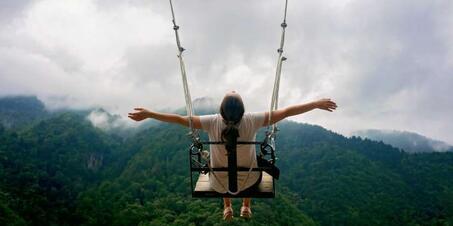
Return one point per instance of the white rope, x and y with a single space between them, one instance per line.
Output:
206 157
243 182
275 91
188 99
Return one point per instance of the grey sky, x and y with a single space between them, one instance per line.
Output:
388 64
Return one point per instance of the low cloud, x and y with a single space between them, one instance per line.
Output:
388 64
106 121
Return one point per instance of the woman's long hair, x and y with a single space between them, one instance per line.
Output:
232 110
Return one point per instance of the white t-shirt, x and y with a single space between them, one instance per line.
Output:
246 154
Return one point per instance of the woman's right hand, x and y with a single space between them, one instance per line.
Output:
326 104
139 115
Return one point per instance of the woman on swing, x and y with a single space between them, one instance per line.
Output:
232 121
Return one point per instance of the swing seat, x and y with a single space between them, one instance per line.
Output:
264 190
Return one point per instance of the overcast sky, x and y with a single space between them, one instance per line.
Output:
387 63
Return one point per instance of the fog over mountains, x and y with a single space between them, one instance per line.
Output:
408 141
18 111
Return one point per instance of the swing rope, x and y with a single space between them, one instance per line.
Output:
272 130
189 108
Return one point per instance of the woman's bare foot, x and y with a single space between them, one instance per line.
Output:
246 212
228 213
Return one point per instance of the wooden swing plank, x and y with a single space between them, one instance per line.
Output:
264 190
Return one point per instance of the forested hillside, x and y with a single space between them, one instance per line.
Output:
20 111
61 170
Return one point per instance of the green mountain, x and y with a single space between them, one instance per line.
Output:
19 111
408 141
44 168
62 170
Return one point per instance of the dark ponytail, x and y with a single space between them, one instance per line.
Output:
232 110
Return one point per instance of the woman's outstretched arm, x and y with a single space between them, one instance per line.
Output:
280 114
142 113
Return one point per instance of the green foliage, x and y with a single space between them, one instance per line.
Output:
63 171
7 215
45 167
21 111
362 182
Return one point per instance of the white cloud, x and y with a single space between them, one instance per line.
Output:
388 64
105 121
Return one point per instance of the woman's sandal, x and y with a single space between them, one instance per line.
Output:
228 213
246 212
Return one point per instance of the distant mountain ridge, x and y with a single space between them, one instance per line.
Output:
408 141
18 111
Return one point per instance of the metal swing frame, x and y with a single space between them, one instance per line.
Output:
200 166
